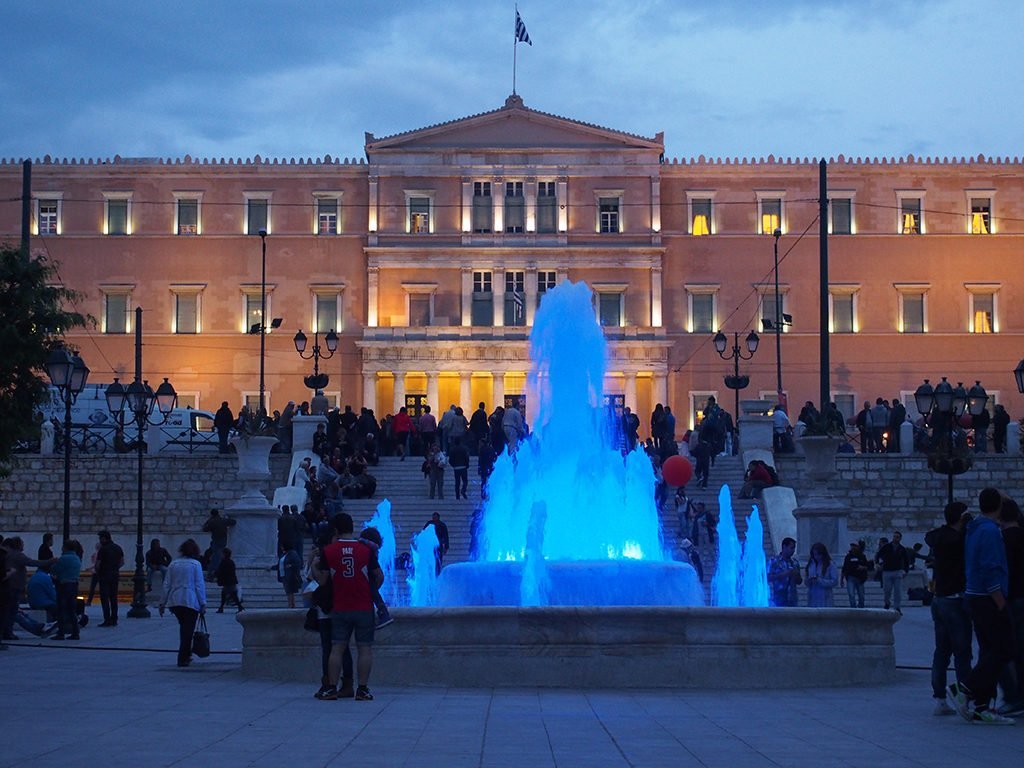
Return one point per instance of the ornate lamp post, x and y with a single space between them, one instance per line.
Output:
139 399
263 325
317 380
942 407
736 382
69 375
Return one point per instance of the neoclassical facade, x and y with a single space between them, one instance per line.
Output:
430 255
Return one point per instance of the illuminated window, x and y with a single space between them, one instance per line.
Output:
700 216
48 216
483 299
419 214
117 214
515 207
608 211
257 215
515 297
253 310
188 216
483 210
327 214
841 216
910 216
770 212
252 316
610 309
981 215
982 307
547 206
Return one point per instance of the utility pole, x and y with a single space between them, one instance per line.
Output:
823 334
26 205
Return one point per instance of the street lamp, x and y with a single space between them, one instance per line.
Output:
778 319
317 380
736 382
68 374
138 400
942 407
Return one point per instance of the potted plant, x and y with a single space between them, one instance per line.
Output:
820 441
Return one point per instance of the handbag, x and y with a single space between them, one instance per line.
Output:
201 639
312 622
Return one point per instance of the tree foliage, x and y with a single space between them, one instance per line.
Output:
33 320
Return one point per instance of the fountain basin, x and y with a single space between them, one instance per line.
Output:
573 582
597 647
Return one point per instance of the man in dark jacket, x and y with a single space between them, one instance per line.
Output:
987 585
217 527
441 530
981 423
1000 421
458 460
223 421
893 558
109 559
478 427
949 609
897 415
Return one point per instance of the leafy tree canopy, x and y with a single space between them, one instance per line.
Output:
33 320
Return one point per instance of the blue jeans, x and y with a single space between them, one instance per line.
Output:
892 586
855 591
952 622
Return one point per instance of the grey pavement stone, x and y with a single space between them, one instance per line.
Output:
151 713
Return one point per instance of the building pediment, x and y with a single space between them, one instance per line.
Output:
513 127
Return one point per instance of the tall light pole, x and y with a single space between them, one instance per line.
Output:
140 400
778 318
263 324
68 374
736 382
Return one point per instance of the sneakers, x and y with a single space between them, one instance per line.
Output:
363 694
49 629
942 708
990 717
383 619
322 691
328 693
959 698
1012 709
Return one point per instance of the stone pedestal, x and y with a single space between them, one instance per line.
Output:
253 539
303 429
821 517
906 439
755 433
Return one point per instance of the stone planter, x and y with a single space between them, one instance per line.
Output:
820 452
254 537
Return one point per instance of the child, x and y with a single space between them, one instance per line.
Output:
372 536
227 579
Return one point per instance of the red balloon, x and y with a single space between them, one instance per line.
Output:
677 471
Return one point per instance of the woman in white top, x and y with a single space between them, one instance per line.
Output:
185 595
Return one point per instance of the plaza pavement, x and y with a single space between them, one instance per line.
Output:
118 699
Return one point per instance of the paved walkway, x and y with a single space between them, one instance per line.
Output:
118 699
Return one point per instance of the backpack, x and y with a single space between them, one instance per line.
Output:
281 569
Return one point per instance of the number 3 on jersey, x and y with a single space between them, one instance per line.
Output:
348 567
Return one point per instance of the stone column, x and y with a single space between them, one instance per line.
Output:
399 390
372 293
530 192
467 206
660 392
499 389
467 297
498 292
656 320
433 399
531 294
655 206
630 391
465 393
371 219
562 190
498 205
370 391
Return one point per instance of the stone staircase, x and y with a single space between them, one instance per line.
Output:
403 484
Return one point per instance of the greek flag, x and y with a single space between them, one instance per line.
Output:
519 302
522 35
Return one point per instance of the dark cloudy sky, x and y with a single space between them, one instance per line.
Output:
736 77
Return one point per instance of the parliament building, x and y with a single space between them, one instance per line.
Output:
430 254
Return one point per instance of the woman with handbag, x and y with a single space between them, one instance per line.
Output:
185 595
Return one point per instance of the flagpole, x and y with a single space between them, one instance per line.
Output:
515 43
